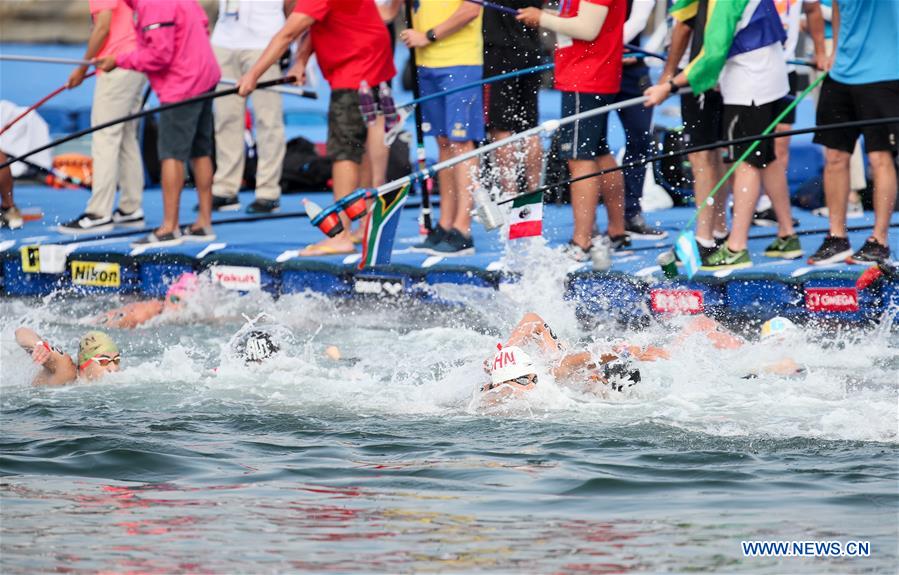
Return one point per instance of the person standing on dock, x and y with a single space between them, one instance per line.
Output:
512 105
589 50
241 33
863 85
115 152
742 54
447 36
637 123
352 46
173 50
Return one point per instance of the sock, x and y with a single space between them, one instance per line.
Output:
705 243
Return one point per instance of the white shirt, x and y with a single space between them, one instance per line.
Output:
639 17
755 77
247 24
27 134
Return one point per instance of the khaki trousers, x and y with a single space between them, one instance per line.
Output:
268 119
117 159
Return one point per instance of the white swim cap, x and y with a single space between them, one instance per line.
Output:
510 363
776 326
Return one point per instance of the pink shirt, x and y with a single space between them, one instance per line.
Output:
173 49
121 37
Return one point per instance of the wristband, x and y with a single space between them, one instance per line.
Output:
674 87
431 35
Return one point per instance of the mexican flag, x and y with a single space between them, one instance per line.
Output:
527 216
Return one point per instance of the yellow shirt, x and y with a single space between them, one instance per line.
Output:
464 48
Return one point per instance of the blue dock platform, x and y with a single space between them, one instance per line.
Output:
260 252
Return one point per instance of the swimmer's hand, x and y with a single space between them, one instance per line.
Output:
41 353
333 352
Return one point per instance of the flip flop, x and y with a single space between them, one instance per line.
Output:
320 250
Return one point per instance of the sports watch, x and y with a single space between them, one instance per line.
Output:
431 35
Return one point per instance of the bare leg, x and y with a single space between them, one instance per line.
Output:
747 180
612 189
465 179
506 163
447 181
203 173
884 193
533 158
836 189
6 184
377 153
584 199
172 184
774 178
705 176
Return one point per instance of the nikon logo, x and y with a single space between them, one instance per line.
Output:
101 274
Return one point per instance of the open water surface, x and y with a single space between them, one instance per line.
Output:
188 461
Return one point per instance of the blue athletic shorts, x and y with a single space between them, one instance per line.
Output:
459 116
584 139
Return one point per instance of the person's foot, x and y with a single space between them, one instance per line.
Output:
767 218
871 253
575 252
725 259
155 239
86 223
434 237
11 217
455 243
197 234
619 243
330 247
264 207
638 229
833 250
133 219
220 204
787 248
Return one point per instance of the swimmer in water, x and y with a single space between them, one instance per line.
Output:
133 314
97 356
513 372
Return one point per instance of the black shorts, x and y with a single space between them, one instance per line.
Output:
585 139
509 105
743 121
853 102
790 118
702 117
186 132
347 131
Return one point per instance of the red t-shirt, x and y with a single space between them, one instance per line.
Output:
592 67
350 41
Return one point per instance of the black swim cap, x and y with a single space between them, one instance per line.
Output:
256 346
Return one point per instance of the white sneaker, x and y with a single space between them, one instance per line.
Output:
86 223
134 219
11 218
853 211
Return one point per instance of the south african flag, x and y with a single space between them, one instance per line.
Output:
380 227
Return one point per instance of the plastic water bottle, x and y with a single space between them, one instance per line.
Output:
388 106
367 104
487 211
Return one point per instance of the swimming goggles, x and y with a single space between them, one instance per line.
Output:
523 381
103 360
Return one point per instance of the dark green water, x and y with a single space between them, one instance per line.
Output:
389 465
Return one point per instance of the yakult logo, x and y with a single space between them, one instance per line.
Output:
831 299
237 277
503 359
676 301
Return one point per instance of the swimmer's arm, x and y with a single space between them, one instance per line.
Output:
648 353
532 327
131 315
58 367
787 366
574 362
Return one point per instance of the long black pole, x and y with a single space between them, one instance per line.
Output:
423 189
142 113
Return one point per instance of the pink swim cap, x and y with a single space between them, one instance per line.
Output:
182 288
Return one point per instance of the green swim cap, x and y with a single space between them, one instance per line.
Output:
95 343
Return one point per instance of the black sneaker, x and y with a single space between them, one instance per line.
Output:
833 250
767 219
871 253
264 207
435 236
638 229
192 234
155 240
86 223
134 219
453 244
220 204
619 243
